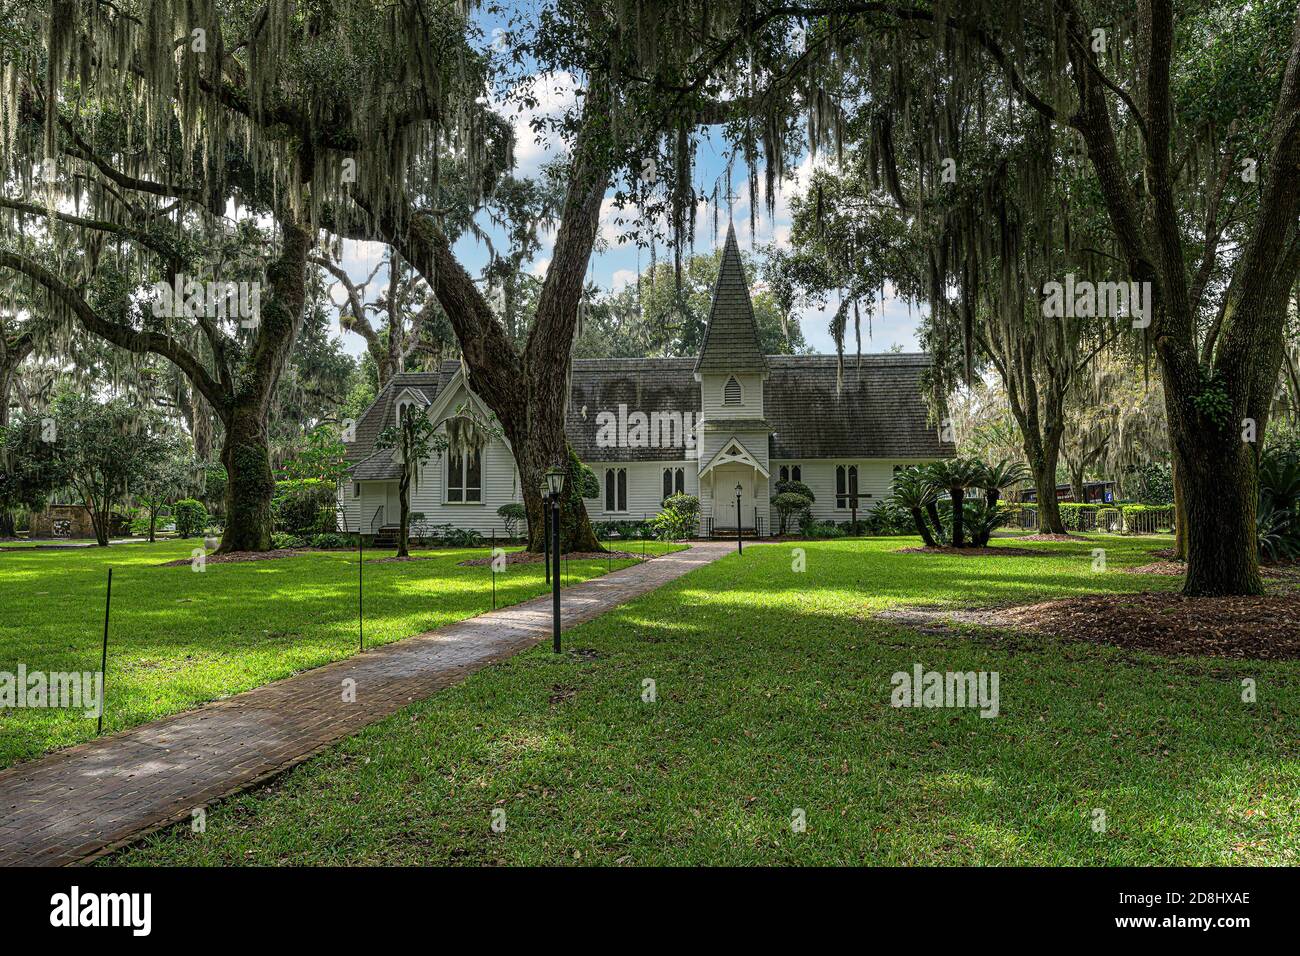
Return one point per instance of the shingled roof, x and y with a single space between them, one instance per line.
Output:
731 337
878 413
380 414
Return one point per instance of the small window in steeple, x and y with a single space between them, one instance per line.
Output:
731 394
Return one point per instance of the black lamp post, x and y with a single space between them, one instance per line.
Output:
740 544
546 526
555 481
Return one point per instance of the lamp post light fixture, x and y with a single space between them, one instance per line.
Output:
740 544
555 482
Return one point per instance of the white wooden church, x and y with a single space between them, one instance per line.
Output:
730 422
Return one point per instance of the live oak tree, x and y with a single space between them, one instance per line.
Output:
1187 120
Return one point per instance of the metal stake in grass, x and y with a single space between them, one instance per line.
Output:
103 659
361 619
492 563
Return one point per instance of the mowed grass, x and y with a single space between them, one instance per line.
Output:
772 702
179 638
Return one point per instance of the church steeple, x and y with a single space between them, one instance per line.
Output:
731 337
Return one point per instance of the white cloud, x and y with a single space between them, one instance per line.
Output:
623 278
552 93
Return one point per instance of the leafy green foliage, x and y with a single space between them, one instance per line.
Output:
191 517
796 488
514 516
1277 518
305 506
323 458
790 505
103 449
980 519
679 519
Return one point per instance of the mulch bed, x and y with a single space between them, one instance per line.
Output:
1288 571
1160 622
236 556
1052 537
978 552
529 557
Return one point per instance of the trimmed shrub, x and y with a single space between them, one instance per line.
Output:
514 516
191 517
287 542
333 539
795 488
790 504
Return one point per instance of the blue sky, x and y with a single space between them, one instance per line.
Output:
615 264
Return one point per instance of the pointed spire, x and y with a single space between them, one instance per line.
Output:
731 337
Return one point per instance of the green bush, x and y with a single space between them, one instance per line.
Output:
305 506
191 517
887 519
823 529
1078 516
791 504
333 539
454 537
623 529
287 542
514 516
679 519
795 488
979 519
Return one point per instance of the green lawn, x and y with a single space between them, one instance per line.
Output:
179 638
773 690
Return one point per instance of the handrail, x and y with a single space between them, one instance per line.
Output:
378 511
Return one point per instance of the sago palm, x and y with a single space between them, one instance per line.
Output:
915 492
956 475
1002 475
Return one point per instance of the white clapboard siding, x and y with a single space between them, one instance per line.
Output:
645 488
711 391
500 486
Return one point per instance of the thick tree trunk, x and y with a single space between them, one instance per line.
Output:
958 518
932 509
1217 474
404 505
250 487
246 452
1180 515
1042 458
527 391
1076 485
11 356
576 533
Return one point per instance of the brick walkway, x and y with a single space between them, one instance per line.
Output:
84 801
